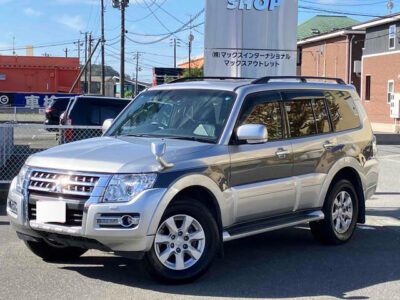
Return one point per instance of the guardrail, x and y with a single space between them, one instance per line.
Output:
19 141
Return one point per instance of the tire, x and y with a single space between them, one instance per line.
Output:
54 253
337 228
175 258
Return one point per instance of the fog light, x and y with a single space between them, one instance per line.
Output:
129 221
118 220
12 206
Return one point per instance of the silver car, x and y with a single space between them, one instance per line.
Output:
190 165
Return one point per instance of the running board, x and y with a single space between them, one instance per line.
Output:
265 225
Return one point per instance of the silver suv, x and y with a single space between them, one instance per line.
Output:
192 164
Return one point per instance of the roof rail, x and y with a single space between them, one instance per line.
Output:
303 79
185 79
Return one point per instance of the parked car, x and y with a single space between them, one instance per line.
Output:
89 111
188 166
54 111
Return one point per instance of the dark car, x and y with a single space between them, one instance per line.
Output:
89 111
54 111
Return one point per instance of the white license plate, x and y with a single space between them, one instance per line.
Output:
51 211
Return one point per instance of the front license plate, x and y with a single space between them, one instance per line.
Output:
51 211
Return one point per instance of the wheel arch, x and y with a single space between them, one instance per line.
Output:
353 175
200 188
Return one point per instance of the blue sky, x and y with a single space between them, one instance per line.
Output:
40 22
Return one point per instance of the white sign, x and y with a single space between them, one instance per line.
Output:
250 38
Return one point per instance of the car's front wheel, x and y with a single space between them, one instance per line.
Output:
54 252
341 212
185 244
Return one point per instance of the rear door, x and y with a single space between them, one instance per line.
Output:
313 143
261 174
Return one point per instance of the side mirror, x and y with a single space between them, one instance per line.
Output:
107 124
253 133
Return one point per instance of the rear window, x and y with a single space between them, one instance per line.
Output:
61 103
343 111
93 112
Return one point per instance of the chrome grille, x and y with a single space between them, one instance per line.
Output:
60 183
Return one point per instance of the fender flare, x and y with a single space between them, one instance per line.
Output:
224 200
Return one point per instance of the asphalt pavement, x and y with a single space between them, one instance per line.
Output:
284 264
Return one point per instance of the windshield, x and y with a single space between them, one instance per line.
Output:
182 114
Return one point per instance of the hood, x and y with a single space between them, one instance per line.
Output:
113 155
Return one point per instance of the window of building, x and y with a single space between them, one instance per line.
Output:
392 37
368 87
390 90
343 111
264 109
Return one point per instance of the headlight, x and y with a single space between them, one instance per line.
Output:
21 179
122 188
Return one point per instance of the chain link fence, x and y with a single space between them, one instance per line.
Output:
22 115
18 141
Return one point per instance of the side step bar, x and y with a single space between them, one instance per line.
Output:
265 225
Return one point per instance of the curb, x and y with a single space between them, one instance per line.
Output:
387 139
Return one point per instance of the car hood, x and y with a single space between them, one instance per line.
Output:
113 155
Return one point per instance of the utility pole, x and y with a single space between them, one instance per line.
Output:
137 74
122 4
90 65
86 56
66 52
103 67
191 38
174 45
14 53
79 44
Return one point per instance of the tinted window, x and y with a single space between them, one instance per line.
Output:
343 111
301 117
94 112
61 104
321 115
264 109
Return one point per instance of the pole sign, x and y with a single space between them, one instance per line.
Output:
250 38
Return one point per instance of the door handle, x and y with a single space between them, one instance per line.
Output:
329 145
282 153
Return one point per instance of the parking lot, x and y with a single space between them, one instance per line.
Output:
280 265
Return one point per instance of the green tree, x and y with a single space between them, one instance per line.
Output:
194 72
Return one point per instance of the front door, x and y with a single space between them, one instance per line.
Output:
261 174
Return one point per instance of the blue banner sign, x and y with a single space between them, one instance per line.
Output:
29 100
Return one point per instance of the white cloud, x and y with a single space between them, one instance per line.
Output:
73 22
29 11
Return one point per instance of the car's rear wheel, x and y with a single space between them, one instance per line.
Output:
54 252
341 212
185 244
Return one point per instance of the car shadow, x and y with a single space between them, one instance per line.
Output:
281 264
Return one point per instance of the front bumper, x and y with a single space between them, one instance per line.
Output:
122 240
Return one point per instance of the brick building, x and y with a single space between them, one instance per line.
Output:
380 69
333 54
38 74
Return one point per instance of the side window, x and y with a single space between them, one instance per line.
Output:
343 111
321 115
307 113
263 109
301 118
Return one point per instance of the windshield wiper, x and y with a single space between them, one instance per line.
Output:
191 138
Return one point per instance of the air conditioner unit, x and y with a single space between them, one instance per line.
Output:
395 106
357 67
